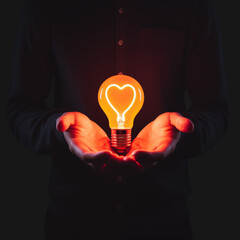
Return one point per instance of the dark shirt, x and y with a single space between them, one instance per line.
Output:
169 47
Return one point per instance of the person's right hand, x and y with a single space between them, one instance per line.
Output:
87 141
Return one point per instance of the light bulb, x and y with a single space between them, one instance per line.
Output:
121 97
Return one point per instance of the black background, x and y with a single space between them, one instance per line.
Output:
24 174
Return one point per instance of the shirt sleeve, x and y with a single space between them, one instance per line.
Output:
30 119
205 83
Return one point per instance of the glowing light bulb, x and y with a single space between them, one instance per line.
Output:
121 97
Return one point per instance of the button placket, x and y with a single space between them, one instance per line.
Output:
120 36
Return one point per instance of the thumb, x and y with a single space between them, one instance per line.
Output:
65 121
181 123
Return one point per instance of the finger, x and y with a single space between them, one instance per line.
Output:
109 153
65 121
96 161
98 158
141 154
137 144
132 149
117 158
106 161
147 158
181 123
129 158
129 161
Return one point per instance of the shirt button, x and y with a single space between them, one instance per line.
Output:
120 10
119 178
120 42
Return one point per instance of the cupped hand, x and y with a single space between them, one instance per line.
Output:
159 138
87 140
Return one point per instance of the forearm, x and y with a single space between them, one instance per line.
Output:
31 121
35 125
205 83
209 127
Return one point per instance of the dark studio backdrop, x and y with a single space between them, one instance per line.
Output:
214 176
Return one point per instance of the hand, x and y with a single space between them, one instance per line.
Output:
159 138
87 140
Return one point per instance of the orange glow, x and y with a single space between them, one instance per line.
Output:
121 97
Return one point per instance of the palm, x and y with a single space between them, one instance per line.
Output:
88 136
86 140
159 135
159 138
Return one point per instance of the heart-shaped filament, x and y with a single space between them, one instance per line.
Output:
121 116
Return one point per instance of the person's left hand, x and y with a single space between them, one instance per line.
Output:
159 138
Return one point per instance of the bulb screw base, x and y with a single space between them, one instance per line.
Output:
121 140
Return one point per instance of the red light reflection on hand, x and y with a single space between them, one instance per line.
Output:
159 139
